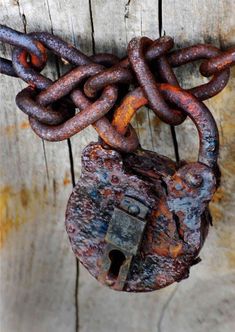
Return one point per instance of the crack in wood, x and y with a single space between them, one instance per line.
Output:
173 132
22 15
175 144
165 307
76 291
71 160
49 14
160 17
127 6
92 27
72 174
45 159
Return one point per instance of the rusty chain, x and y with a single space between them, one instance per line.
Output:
107 90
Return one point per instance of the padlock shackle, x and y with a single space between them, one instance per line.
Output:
195 109
202 118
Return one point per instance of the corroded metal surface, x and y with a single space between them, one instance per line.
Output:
176 224
102 81
148 83
196 110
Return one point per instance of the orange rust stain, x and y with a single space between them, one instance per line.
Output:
5 228
34 59
229 166
7 222
24 125
162 251
14 209
106 192
219 195
23 59
228 130
9 130
222 200
216 209
126 111
155 121
176 250
141 116
216 213
66 179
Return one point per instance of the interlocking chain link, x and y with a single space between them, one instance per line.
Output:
107 90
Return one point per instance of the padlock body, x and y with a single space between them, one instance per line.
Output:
134 221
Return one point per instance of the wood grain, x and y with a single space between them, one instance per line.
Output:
37 265
38 270
209 292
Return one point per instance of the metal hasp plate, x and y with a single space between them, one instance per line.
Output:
123 239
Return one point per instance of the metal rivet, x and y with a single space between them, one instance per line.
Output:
194 180
178 186
134 210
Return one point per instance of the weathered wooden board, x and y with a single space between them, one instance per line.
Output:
38 270
209 293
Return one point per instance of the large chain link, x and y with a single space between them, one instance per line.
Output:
99 85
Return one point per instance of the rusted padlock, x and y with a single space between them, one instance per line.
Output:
138 221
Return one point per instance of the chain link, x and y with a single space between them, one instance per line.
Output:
97 84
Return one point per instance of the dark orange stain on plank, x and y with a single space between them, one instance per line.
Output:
16 208
67 179
10 129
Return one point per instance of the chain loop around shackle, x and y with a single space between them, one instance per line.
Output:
97 84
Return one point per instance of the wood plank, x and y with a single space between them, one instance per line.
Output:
209 290
37 265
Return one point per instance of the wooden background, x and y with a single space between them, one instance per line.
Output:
39 290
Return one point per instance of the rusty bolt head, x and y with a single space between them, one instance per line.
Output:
193 180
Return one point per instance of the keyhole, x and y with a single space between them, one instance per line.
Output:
117 259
